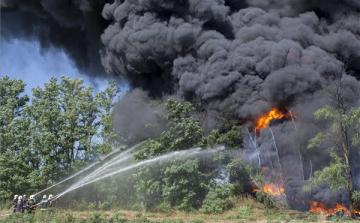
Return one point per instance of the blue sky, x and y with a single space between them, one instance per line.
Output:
25 60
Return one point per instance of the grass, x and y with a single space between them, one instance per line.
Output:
245 209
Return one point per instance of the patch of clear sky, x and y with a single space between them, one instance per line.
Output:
22 59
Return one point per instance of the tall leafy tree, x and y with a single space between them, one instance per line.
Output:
64 121
106 100
13 134
343 94
46 123
43 141
12 103
179 182
78 121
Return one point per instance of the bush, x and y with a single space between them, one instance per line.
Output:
216 200
244 212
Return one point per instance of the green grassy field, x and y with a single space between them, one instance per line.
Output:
245 209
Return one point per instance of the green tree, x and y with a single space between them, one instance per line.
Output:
184 132
13 134
180 182
185 183
343 94
232 138
12 104
106 100
64 122
78 120
56 134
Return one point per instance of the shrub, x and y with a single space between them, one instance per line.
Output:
216 201
244 212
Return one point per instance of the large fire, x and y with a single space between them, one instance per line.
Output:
318 207
264 120
315 206
277 190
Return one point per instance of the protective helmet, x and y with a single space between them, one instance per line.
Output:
24 196
20 197
32 196
44 196
50 196
15 197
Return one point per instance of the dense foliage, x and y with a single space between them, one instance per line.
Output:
64 127
191 182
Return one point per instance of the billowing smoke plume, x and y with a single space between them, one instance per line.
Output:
248 59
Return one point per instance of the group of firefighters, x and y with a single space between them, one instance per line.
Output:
22 204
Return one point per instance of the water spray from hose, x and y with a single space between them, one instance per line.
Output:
194 151
109 163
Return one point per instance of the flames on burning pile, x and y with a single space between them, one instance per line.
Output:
315 206
357 211
276 189
319 207
274 114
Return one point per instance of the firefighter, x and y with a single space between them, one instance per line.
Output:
43 204
51 202
19 205
31 204
25 203
15 203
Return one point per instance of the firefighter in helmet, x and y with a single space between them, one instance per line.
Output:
25 203
51 202
15 203
43 204
31 204
19 205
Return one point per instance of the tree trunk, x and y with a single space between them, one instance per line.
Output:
350 188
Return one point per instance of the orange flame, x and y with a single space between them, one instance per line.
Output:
274 113
357 211
272 189
318 207
315 206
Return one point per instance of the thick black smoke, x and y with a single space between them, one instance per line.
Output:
245 56
301 200
248 59
72 26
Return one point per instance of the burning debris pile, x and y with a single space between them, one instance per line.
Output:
252 57
318 200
